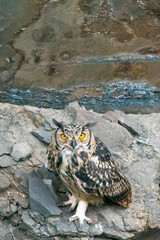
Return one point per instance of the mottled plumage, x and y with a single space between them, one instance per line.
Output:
84 164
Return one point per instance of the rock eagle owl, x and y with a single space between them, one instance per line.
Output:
85 166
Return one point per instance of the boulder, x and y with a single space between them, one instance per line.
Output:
21 151
41 198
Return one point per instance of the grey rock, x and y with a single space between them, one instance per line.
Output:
4 230
41 199
49 184
6 161
42 135
37 217
21 151
63 226
15 219
4 123
5 148
23 186
6 208
46 174
27 220
4 182
52 180
21 173
48 127
126 120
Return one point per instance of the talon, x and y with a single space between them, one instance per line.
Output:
80 213
70 209
74 217
80 218
72 201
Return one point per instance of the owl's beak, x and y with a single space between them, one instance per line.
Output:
73 143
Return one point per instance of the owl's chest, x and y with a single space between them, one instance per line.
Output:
64 164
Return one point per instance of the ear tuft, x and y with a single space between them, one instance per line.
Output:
89 125
58 124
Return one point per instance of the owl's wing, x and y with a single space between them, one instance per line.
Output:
101 177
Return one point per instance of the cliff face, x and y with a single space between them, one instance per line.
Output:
26 212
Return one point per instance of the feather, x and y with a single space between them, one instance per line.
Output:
105 182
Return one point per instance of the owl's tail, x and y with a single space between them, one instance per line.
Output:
125 198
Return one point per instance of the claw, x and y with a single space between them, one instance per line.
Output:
72 201
81 219
80 213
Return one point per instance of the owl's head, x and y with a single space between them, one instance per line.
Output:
73 136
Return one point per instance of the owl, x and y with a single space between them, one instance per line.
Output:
85 166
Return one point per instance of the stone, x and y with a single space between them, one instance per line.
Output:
7 209
5 148
125 120
21 151
4 207
41 199
6 161
52 180
4 124
28 221
37 217
15 219
23 186
4 230
21 173
4 182
46 174
42 135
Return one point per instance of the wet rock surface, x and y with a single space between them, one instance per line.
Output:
123 95
21 215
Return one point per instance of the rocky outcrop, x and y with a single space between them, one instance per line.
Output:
26 210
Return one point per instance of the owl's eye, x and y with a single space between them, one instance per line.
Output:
82 136
63 136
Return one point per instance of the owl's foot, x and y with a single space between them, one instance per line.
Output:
72 201
80 213
80 218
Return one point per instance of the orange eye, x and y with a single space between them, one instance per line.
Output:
82 136
63 136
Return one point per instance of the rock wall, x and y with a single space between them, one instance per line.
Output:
31 212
